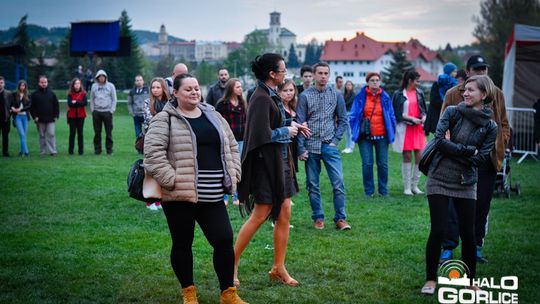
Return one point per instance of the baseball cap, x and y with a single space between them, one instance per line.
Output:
476 61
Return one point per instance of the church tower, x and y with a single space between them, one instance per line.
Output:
163 36
275 29
163 41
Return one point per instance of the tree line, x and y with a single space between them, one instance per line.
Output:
494 24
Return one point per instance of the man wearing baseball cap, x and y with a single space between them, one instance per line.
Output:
487 174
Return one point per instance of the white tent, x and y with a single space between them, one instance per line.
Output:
521 85
521 77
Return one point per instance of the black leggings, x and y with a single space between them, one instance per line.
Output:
438 212
76 127
214 222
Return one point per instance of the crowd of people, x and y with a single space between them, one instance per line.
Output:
201 151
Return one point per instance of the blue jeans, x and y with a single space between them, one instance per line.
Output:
381 153
332 162
21 122
349 143
138 122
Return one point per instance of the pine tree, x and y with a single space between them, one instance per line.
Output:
164 66
292 61
132 65
391 76
65 65
22 38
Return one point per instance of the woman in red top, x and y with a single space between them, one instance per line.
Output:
76 113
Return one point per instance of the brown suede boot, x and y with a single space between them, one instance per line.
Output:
189 294
229 296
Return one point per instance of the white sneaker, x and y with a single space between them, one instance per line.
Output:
152 207
347 151
416 190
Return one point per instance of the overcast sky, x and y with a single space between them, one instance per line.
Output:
434 23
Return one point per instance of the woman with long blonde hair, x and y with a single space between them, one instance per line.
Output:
159 96
20 107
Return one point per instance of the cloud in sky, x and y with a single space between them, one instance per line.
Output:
433 22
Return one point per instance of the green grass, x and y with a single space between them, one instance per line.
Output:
70 234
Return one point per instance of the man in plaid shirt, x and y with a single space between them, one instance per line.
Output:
323 108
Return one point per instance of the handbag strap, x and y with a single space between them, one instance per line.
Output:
374 106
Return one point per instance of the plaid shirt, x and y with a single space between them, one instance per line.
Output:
235 116
326 116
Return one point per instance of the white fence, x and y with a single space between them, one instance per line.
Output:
522 122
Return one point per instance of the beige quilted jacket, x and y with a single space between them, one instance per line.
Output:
170 153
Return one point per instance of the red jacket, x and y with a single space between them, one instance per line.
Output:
77 109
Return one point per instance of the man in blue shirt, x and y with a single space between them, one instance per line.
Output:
323 108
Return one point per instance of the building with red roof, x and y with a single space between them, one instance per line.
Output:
355 58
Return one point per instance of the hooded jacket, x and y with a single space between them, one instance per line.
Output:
170 153
103 95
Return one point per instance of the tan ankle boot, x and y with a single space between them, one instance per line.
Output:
189 294
229 296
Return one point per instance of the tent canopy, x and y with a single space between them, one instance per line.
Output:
521 74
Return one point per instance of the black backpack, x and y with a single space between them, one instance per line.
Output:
135 180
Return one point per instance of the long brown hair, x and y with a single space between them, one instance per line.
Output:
25 92
72 86
229 92
164 95
293 102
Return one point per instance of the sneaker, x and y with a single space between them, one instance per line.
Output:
319 224
342 225
446 254
158 205
347 151
152 207
479 258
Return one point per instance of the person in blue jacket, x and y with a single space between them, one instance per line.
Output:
375 105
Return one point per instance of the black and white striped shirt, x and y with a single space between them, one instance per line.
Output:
210 186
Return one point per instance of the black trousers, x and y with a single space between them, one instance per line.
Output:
438 212
487 175
5 126
76 127
102 119
216 226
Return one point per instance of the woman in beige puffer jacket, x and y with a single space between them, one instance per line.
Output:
191 152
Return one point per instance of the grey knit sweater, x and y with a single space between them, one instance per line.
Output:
446 178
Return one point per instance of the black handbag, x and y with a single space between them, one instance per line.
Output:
135 180
428 154
365 126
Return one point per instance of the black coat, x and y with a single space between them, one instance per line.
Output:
398 99
214 94
434 110
44 106
6 106
482 138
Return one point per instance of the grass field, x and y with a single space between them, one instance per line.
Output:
70 234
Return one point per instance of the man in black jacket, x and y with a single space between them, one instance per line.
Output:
5 103
45 111
217 91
